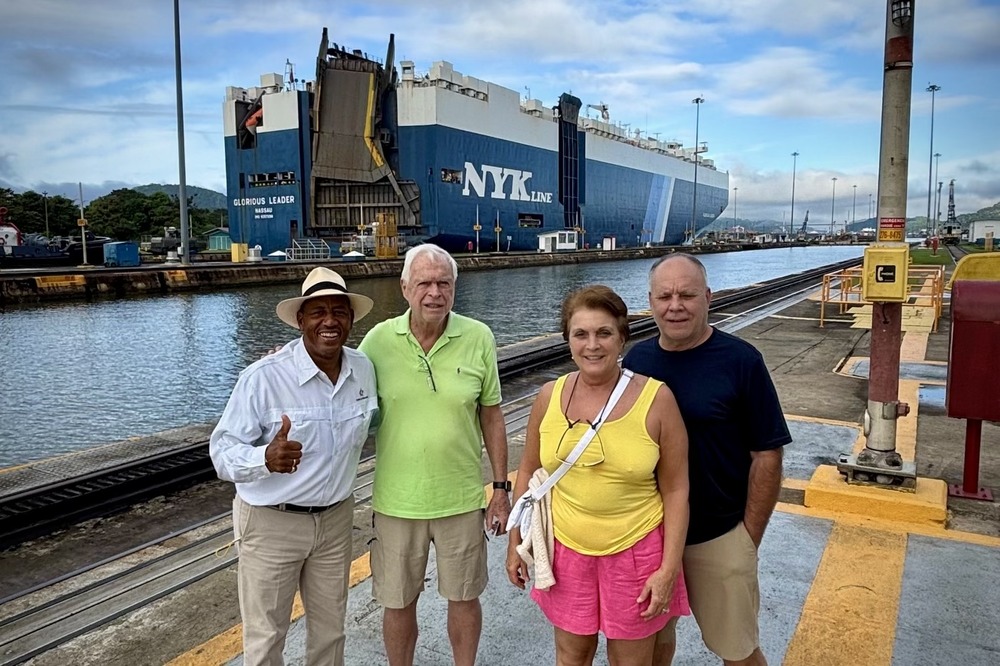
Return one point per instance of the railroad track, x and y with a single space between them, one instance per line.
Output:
956 252
36 629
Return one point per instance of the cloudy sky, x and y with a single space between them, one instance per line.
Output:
89 93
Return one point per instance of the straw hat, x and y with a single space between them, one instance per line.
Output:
322 282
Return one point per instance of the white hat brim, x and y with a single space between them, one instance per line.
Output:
288 309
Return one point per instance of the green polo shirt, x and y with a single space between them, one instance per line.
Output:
429 442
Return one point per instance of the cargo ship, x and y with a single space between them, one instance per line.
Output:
404 157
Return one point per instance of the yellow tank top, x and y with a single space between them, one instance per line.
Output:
609 499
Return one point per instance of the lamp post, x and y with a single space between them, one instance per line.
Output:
45 200
937 198
932 89
854 209
869 205
791 220
697 101
833 203
735 190
182 186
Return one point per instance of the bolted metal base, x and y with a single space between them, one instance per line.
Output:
882 469
956 490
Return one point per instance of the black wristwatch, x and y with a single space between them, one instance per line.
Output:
501 485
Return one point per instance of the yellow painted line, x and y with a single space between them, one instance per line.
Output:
855 593
914 346
888 525
845 321
794 484
817 419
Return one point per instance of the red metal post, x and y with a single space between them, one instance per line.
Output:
973 436
970 475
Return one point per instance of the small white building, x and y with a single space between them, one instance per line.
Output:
979 228
557 241
609 243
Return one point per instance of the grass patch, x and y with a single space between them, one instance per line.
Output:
920 256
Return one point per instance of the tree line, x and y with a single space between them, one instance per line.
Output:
122 214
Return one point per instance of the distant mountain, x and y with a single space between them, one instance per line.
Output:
202 198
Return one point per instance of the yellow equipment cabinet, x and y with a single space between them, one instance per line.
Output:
885 273
238 252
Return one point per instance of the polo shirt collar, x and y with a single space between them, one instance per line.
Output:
452 329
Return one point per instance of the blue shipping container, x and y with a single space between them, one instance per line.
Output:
121 254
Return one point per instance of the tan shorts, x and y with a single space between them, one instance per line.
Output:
399 557
721 577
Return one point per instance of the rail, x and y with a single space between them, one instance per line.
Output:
925 295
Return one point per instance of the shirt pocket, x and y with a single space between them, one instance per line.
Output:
311 426
356 419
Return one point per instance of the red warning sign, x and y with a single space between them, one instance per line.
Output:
892 223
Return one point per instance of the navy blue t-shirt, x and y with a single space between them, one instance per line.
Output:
730 408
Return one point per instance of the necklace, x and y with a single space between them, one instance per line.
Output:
570 424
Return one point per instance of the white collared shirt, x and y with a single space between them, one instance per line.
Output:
331 422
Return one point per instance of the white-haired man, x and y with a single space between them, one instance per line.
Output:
290 439
439 400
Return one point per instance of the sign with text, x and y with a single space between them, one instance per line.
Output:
891 229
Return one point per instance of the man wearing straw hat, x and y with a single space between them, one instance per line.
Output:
290 439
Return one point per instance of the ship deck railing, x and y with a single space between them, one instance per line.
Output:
308 249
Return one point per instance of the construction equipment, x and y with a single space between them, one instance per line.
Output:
951 233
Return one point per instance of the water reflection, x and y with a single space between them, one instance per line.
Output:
80 374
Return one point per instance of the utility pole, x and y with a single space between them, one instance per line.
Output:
854 209
791 220
182 186
879 462
697 101
937 198
833 204
45 199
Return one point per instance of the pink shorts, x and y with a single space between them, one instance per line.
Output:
598 593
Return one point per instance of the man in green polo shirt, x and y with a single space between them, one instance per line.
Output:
439 397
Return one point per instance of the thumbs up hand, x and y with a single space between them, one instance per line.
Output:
282 455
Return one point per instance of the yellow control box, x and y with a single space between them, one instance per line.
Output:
238 252
885 272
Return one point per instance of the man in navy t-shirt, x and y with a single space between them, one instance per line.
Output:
736 432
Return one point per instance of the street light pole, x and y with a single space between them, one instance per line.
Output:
735 190
937 197
791 219
833 203
182 186
854 210
932 89
697 101
45 199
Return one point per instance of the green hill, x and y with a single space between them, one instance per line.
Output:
202 198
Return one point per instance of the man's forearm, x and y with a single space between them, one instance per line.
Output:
495 439
762 495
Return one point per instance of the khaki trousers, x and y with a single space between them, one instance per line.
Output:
279 552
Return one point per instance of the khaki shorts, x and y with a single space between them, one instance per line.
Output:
721 577
399 557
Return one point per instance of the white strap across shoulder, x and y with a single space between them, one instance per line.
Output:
539 493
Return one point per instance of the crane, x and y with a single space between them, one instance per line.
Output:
603 108
805 225
952 229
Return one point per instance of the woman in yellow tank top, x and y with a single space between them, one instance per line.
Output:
620 514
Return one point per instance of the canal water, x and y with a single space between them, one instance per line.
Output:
76 375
